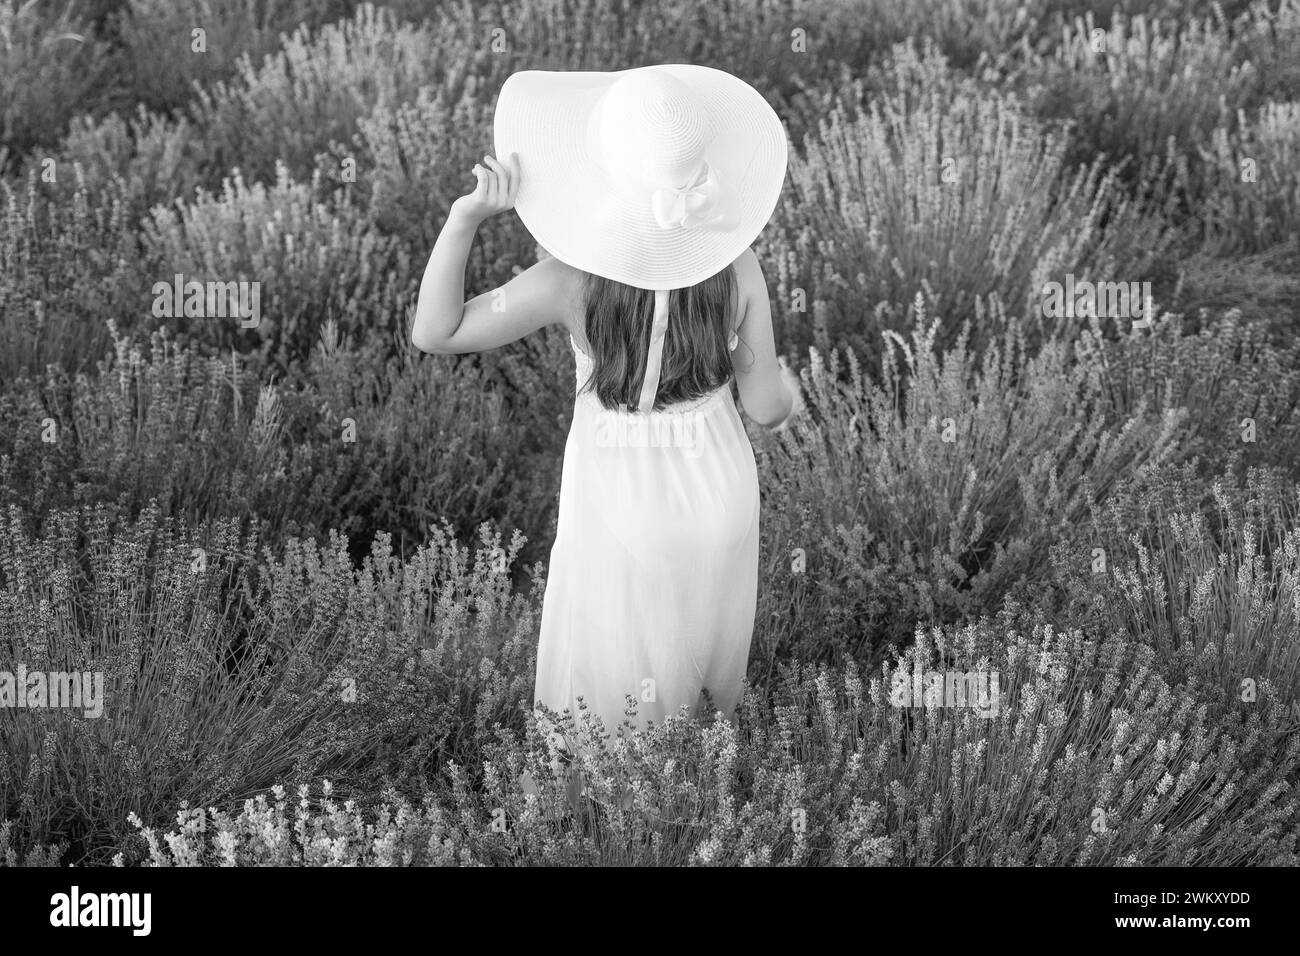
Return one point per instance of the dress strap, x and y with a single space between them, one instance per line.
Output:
654 358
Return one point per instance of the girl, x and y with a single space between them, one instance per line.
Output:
647 187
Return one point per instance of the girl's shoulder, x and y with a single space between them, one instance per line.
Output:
750 284
564 284
557 271
564 279
749 274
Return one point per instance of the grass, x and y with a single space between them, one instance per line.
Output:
320 651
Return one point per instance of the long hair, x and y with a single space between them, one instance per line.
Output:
696 360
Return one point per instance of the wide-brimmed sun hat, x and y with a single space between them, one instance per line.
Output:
657 177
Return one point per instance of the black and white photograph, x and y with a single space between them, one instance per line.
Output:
651 434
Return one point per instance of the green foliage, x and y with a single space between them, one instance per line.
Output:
1090 759
312 91
1252 200
69 260
1180 101
1241 393
1211 586
163 61
928 496
415 157
273 604
1261 289
224 673
1267 34
201 439
942 188
1142 81
145 157
36 856
49 65
312 255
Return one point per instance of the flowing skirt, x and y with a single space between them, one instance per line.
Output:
653 578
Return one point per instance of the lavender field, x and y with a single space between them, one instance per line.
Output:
1029 586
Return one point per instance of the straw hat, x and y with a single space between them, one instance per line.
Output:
657 177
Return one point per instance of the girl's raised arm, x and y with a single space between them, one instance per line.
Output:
445 323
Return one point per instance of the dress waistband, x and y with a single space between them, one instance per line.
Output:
715 399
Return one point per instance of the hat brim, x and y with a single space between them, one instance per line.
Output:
582 218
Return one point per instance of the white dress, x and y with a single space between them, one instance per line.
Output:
653 578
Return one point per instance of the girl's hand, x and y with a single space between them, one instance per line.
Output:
497 187
791 380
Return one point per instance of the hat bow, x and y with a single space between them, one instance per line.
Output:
695 204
